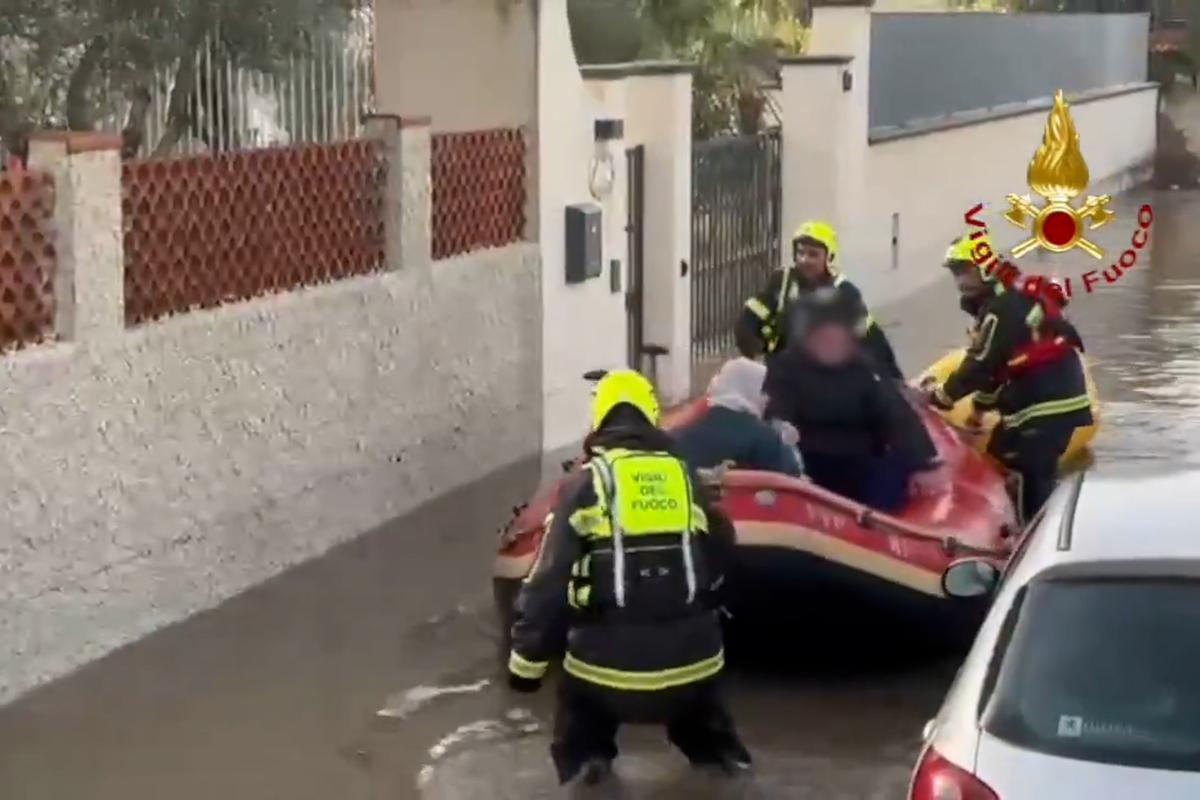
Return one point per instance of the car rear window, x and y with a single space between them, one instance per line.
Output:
1106 671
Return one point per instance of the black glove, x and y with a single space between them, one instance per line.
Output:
523 685
938 399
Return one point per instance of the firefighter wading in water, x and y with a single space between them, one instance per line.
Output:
1024 362
762 326
627 574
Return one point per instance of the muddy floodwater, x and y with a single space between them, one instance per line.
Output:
371 673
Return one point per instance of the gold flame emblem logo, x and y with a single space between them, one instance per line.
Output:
1058 173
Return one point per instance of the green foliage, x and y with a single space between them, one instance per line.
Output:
608 31
65 60
735 45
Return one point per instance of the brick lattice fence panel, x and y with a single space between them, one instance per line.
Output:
27 257
208 230
478 190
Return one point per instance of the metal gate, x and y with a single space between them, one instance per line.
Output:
635 160
736 202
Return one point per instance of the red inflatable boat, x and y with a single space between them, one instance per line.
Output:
802 548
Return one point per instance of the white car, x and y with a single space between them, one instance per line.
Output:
1084 680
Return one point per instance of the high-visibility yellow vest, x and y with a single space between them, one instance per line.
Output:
639 564
644 518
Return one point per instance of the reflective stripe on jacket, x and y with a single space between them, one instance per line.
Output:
628 570
1023 362
640 496
764 320
639 561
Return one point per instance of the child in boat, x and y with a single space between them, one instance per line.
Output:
858 435
732 428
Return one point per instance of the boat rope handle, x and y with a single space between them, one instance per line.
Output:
869 520
951 545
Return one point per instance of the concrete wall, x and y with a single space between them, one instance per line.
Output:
468 64
929 65
824 153
835 167
583 324
153 476
150 473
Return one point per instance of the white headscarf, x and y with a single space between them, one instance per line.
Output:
739 387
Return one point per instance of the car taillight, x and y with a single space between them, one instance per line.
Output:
938 779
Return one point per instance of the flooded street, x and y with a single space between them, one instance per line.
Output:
371 673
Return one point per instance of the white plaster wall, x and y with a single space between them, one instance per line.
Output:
87 214
818 149
661 105
846 31
583 324
157 473
933 179
657 112
468 64
840 30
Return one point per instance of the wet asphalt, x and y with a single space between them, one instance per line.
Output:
371 673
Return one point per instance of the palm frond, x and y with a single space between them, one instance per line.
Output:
735 44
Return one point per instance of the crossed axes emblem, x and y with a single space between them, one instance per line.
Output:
1058 226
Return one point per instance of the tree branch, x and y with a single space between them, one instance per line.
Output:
134 131
13 128
179 106
79 109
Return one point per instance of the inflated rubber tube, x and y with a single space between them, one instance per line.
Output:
1080 441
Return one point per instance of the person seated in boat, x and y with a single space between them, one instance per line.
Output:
732 429
1025 362
762 326
858 435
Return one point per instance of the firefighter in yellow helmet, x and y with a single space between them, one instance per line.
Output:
1023 362
763 324
625 582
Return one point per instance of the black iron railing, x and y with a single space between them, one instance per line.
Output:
736 203
635 291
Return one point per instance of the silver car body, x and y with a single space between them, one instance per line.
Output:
1139 526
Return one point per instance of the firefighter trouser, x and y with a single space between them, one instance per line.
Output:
588 716
1031 453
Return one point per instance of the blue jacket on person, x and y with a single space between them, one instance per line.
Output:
723 434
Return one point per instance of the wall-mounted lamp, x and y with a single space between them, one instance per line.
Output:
602 172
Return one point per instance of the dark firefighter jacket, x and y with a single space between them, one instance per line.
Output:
761 328
846 410
657 639
1023 362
